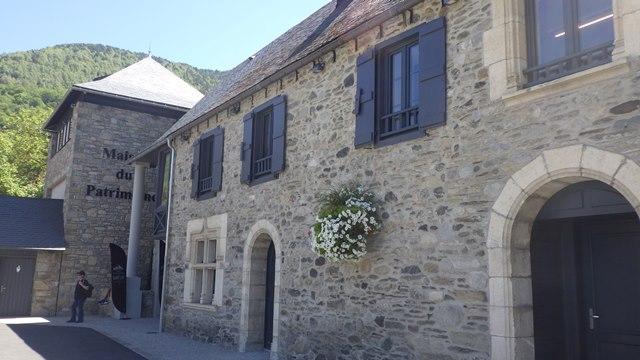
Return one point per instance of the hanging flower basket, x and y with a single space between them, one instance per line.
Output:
347 217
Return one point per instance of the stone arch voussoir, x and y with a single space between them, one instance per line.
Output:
259 229
509 233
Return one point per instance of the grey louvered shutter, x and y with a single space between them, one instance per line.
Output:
218 156
433 74
279 134
365 99
245 149
195 169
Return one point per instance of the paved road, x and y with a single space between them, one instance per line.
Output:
106 338
36 342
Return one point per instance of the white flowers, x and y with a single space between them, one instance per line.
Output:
346 218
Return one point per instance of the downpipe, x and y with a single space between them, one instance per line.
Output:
166 237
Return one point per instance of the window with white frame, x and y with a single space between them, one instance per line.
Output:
204 270
202 265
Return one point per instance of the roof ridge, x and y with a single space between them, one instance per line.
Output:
148 80
292 47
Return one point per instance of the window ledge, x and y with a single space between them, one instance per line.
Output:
206 196
569 82
200 306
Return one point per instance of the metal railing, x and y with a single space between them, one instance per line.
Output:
398 122
568 65
262 166
205 184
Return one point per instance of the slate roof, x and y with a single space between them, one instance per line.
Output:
28 223
147 80
329 24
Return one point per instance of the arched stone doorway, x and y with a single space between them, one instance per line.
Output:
585 247
260 289
510 228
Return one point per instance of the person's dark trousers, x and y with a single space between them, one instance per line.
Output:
77 308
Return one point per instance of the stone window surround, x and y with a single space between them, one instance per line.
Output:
509 234
505 52
260 228
213 227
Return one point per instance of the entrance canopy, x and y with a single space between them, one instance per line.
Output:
28 223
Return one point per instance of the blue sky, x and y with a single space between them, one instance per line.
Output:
215 34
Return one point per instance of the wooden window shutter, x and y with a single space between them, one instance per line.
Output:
218 156
365 99
279 134
433 74
245 149
195 169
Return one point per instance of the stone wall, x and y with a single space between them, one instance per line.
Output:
45 283
59 163
421 292
45 286
95 220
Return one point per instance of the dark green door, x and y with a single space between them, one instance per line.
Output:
16 283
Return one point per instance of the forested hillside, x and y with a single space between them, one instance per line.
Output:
33 82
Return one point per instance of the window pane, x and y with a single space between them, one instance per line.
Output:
211 256
595 22
550 30
268 117
200 252
206 156
396 82
213 282
197 286
263 134
165 179
258 137
414 73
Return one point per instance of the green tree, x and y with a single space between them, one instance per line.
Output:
23 152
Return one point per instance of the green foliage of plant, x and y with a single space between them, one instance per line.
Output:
32 84
23 152
61 66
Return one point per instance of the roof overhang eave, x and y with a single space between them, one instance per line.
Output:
331 45
128 98
33 248
78 90
142 156
65 100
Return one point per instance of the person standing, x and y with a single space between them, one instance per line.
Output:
79 296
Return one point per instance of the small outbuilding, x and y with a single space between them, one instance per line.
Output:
31 244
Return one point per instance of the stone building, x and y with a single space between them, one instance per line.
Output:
94 132
31 245
467 118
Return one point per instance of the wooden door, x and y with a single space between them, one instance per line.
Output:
556 297
268 305
16 284
612 288
586 288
